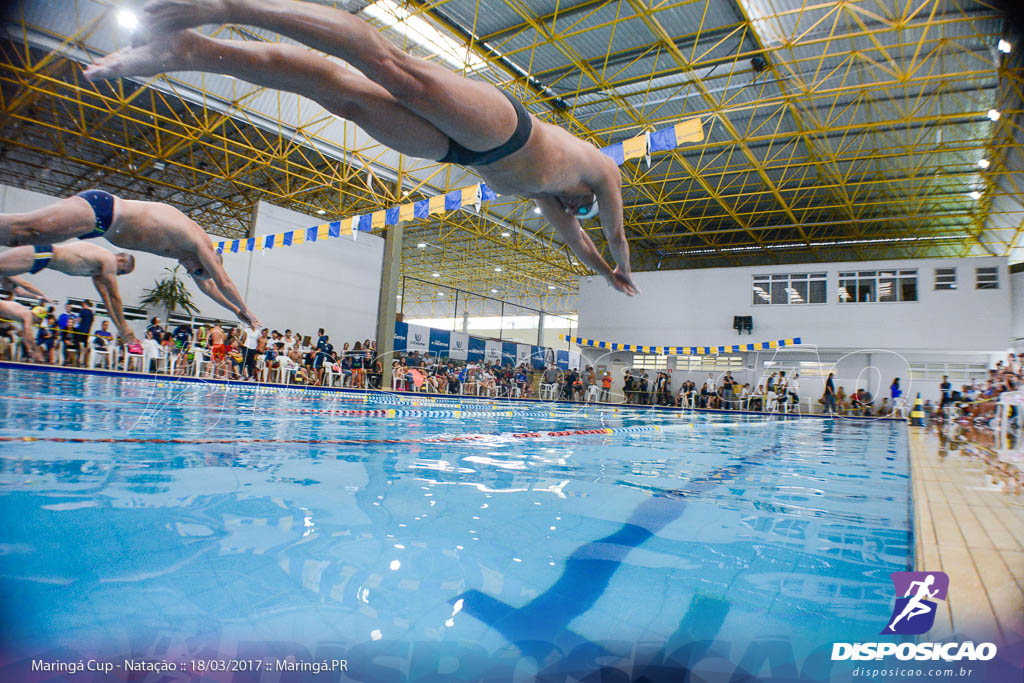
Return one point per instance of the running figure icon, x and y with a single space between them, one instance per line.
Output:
916 605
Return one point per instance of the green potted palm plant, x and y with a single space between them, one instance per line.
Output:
170 294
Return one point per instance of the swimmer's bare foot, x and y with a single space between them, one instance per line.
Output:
171 53
163 16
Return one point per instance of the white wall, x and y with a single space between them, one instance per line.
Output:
865 344
696 307
332 283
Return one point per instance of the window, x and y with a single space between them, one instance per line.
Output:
649 362
959 373
945 278
708 363
987 278
877 286
796 288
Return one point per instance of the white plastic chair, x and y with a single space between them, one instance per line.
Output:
199 359
548 392
129 357
108 354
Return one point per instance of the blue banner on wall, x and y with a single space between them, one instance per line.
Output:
508 353
476 350
401 335
562 360
439 341
537 354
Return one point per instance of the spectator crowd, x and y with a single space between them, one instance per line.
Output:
239 353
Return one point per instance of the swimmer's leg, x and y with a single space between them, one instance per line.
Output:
341 91
16 261
473 113
64 220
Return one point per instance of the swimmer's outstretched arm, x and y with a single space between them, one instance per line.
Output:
210 290
23 288
106 285
213 266
580 242
606 182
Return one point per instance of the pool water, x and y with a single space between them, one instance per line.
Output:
410 536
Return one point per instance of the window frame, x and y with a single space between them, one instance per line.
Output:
767 287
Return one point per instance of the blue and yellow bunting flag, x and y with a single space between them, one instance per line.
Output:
468 198
682 350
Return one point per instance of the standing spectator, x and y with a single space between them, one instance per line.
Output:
182 342
324 354
250 343
84 329
606 387
794 389
895 393
358 371
66 323
829 398
947 392
728 390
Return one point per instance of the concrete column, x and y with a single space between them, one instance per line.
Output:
465 322
387 304
540 329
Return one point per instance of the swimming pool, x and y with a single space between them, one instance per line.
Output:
180 521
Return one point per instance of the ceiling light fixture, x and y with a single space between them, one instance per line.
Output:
127 19
983 163
993 114
421 245
1004 46
975 195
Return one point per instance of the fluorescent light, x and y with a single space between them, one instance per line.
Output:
1004 46
993 114
421 245
398 296
536 209
321 212
983 163
436 274
497 269
127 19
506 233
440 293
975 195
494 291
551 286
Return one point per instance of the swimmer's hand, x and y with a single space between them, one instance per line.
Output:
623 282
249 319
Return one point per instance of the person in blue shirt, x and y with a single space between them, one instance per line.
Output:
102 339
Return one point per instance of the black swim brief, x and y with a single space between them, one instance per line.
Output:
457 154
44 252
102 204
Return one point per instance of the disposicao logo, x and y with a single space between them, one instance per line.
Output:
914 614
